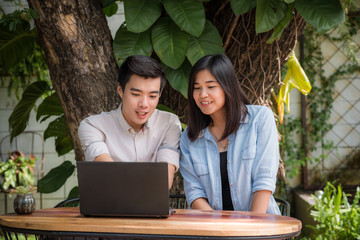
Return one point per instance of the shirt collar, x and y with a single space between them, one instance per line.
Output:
125 125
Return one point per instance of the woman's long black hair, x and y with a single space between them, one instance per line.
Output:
222 69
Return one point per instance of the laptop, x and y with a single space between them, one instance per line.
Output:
129 189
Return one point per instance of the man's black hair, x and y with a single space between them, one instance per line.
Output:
143 66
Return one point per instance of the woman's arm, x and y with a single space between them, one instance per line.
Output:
260 201
201 203
266 162
194 189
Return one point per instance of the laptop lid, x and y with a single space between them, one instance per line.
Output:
123 189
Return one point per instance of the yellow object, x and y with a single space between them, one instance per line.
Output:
295 78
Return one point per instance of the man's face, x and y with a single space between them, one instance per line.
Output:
139 100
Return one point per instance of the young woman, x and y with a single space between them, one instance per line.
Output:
229 152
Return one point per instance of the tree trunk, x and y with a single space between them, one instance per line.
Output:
78 49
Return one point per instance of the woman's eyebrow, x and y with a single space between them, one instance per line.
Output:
209 81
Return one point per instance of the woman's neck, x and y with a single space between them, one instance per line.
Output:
218 124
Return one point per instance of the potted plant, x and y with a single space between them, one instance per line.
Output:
17 170
24 203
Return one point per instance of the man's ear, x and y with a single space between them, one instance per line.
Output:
120 91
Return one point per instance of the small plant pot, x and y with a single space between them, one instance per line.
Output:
24 204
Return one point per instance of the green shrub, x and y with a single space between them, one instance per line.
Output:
336 218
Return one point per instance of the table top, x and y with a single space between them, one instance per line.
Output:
184 222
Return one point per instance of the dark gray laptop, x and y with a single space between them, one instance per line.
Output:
123 189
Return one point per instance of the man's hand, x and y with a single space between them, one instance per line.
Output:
171 174
103 158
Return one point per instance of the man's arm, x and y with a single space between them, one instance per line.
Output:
92 142
260 201
169 148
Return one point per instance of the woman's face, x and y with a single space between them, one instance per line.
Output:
208 94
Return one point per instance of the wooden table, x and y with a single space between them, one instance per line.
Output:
184 224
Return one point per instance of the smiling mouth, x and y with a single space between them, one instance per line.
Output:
141 114
206 102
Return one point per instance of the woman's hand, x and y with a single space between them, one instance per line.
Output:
201 203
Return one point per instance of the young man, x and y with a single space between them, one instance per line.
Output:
136 131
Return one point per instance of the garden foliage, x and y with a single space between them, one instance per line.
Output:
336 218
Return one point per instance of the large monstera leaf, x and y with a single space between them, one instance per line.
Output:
141 14
58 129
189 15
321 14
19 118
269 13
127 43
209 42
55 178
169 42
178 78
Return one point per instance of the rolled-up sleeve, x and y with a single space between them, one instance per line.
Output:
92 140
266 160
169 148
192 184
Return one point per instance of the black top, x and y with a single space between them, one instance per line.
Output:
226 196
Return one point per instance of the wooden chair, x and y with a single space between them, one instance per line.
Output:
72 202
178 201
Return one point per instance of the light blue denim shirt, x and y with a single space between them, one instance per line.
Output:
253 161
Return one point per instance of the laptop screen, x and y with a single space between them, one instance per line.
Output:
123 189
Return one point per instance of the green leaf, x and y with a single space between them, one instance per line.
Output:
165 108
338 198
170 43
283 24
19 118
110 9
55 178
268 14
105 3
59 130
209 42
74 193
56 128
51 106
16 45
127 43
242 6
187 14
179 78
321 14
141 14
63 145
